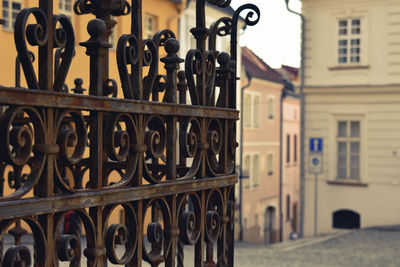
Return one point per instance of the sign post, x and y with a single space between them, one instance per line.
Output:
315 167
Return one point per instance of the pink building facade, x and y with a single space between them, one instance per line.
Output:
270 112
290 183
261 150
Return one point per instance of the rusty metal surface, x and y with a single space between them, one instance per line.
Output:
166 167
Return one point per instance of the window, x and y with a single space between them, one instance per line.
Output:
349 42
246 171
287 207
256 113
251 170
65 7
150 26
295 148
270 164
251 110
348 150
288 148
10 12
270 107
112 39
247 111
255 175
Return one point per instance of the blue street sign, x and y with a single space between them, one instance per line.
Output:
315 144
315 161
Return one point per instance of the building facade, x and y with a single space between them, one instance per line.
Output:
352 105
290 162
157 15
261 150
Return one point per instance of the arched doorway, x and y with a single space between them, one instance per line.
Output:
269 225
346 219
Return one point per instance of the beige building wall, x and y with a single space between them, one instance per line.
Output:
364 96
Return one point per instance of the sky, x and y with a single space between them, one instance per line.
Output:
276 37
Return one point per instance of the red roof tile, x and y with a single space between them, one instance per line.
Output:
293 70
256 67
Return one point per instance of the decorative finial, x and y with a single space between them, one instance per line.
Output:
78 86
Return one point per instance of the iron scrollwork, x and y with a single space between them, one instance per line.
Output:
144 173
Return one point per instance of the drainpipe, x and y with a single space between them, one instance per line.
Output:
302 160
241 157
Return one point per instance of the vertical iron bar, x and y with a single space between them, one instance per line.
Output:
137 69
199 247
97 50
46 182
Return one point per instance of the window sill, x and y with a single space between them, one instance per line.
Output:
8 30
349 67
291 164
251 128
349 183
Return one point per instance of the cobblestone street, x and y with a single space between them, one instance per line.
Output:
368 247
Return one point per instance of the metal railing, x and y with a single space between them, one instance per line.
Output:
61 152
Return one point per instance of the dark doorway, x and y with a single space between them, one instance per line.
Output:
269 225
346 219
294 220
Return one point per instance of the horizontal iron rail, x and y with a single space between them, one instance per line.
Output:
46 205
21 97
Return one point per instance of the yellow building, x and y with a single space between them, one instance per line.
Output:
157 15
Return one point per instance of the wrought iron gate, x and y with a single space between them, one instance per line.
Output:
58 150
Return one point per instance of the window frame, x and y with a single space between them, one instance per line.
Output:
270 165
347 114
255 171
9 21
287 148
348 139
349 36
270 111
246 171
288 206
251 182
252 121
63 10
149 33
295 148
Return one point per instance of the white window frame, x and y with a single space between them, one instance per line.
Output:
112 40
348 140
69 12
252 120
331 153
255 174
246 112
149 29
253 180
11 14
246 171
348 37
